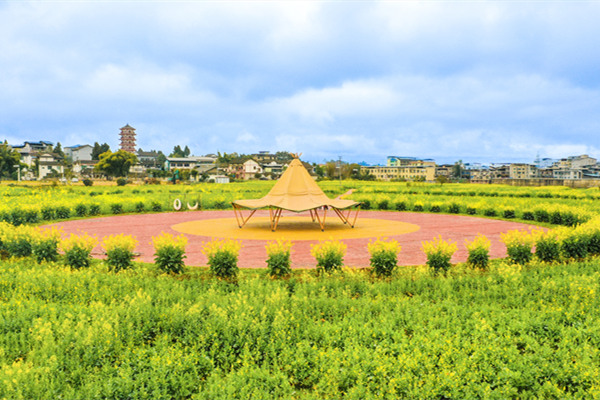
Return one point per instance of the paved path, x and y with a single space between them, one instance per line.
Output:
253 255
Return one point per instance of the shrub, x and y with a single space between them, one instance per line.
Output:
436 208
121 182
547 246
556 218
63 212
383 204
439 252
528 216
116 208
575 243
45 245
139 207
479 252
81 210
156 206
31 216
400 206
489 212
418 206
365 204
508 213
119 251
471 210
384 256
78 249
222 258
279 258
541 215
329 255
48 213
454 208
18 241
518 246
169 252
17 216
88 182
94 209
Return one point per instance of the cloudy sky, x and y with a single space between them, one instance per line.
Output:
475 80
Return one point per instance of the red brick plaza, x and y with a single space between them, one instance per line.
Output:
253 254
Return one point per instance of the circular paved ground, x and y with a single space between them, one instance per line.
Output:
409 229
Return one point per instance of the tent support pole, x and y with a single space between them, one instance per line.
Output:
321 223
237 209
274 217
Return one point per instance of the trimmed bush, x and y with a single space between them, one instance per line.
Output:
48 213
63 212
279 258
81 210
31 216
575 244
222 258
383 204
439 252
528 216
518 246
547 246
471 210
400 206
45 245
418 206
88 182
94 209
329 255
17 216
140 207
121 182
479 252
436 208
489 212
454 208
116 208
18 241
384 256
78 249
119 251
169 252
508 213
156 206
541 215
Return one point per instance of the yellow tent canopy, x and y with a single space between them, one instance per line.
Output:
296 191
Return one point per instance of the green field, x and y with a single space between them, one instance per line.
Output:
512 331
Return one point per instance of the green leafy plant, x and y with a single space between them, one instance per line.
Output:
119 251
384 256
439 252
222 258
116 208
77 249
479 252
169 252
547 246
45 245
518 246
329 255
94 209
279 258
88 182
63 212
81 210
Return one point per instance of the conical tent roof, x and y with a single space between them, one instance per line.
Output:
296 191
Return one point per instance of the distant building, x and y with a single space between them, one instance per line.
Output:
128 139
30 151
148 159
189 163
522 171
79 152
401 173
47 163
244 168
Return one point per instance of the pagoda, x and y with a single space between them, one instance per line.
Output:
128 138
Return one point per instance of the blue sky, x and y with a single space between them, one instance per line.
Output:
475 80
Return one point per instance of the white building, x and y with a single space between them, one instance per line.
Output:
79 152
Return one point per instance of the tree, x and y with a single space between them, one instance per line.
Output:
58 150
9 158
457 169
161 159
116 164
330 169
283 156
177 152
186 152
99 149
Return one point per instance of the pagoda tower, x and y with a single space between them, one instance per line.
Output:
128 138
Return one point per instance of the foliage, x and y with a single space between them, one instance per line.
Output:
9 160
222 258
384 256
88 182
518 246
547 245
121 182
479 252
116 164
119 251
329 255
278 258
18 241
45 242
77 249
169 252
439 252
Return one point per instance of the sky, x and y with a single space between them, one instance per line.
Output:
480 81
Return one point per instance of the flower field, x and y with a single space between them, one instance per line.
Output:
524 327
